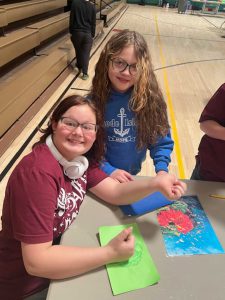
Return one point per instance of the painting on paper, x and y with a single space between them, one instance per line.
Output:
186 229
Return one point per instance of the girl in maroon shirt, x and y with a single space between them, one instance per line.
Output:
210 162
43 198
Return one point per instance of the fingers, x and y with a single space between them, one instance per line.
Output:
180 187
183 185
128 176
126 234
122 246
178 190
170 186
122 179
176 194
121 176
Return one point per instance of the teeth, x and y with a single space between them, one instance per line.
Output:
74 141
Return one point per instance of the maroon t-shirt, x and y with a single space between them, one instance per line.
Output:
211 151
40 204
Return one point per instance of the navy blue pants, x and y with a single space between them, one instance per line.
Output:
82 42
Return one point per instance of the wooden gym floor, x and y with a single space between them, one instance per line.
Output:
188 54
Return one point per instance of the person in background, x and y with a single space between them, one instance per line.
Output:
182 6
126 91
210 162
43 197
165 3
82 28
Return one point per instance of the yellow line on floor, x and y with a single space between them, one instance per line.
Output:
170 107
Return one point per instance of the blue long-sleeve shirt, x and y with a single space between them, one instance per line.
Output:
121 143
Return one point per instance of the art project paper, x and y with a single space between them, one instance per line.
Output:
186 229
138 272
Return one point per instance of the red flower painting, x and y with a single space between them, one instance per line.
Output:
175 221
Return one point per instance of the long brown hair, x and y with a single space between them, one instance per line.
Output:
95 154
147 101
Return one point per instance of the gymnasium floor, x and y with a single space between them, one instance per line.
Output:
188 54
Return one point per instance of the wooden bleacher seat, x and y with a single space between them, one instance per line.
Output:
101 4
20 41
22 88
17 43
106 3
51 26
26 9
64 44
3 19
99 27
109 14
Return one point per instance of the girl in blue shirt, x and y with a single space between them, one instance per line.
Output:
135 114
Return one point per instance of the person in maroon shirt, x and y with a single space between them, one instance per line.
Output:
43 197
210 162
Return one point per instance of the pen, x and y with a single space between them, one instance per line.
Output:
217 196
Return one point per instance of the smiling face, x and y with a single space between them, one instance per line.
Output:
72 142
121 81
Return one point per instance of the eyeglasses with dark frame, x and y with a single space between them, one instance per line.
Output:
72 124
120 65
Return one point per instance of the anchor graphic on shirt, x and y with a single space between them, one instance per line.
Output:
120 131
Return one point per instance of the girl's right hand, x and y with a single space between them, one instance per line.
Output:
121 247
170 186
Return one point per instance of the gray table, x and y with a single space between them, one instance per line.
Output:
183 277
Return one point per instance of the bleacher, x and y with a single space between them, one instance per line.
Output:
172 3
109 11
17 43
3 19
51 26
35 48
207 6
22 10
27 84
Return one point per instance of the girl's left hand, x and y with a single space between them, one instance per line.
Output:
121 176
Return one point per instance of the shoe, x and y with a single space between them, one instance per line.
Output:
84 77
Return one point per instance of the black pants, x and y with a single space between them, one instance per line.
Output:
196 173
82 42
164 2
38 296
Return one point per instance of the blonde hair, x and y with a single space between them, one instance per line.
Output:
146 101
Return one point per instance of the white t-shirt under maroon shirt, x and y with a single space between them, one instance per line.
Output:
40 204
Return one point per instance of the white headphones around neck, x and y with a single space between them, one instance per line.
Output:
73 169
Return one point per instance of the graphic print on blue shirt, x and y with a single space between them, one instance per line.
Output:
122 117
118 129
121 139
121 134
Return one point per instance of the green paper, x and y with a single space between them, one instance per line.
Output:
138 272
